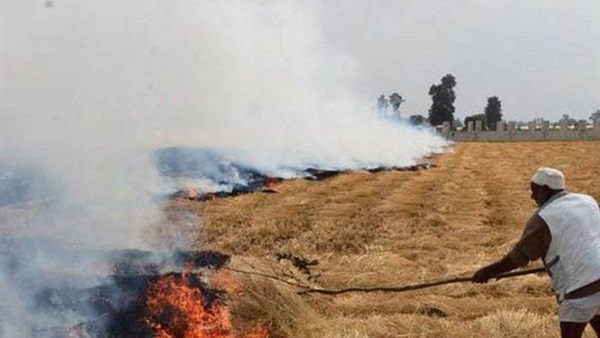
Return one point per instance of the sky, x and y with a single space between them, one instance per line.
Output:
540 57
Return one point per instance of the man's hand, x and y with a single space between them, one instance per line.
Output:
494 270
483 275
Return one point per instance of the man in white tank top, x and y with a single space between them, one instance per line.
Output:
565 233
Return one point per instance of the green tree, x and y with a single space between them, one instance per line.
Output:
493 112
443 97
595 116
396 100
417 119
477 117
570 121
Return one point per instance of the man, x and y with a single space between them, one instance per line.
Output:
565 233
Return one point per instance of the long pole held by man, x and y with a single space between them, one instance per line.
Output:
564 233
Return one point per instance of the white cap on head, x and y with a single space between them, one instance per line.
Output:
550 177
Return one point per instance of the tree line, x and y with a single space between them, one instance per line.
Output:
442 108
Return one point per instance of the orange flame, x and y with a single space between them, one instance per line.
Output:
270 184
177 309
258 331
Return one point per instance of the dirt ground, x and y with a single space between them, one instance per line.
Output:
392 229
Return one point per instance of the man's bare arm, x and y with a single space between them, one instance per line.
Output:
533 245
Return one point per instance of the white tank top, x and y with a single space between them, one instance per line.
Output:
573 257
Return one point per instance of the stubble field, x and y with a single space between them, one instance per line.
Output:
394 228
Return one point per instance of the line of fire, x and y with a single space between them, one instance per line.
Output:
165 294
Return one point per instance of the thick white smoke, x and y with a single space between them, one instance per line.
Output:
91 88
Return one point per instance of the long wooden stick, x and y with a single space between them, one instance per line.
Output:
416 286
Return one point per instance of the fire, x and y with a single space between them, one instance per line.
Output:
258 331
270 184
177 309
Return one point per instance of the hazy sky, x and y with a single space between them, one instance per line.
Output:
540 57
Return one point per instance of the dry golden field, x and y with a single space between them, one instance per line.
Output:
393 229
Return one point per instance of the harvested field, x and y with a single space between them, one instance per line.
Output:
393 229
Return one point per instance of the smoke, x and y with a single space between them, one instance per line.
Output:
91 89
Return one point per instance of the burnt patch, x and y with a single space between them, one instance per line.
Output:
202 259
314 174
414 167
118 305
233 177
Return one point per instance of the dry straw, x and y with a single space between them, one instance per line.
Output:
400 228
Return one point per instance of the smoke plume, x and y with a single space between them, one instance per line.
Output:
92 89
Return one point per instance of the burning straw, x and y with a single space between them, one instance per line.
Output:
179 305
175 308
